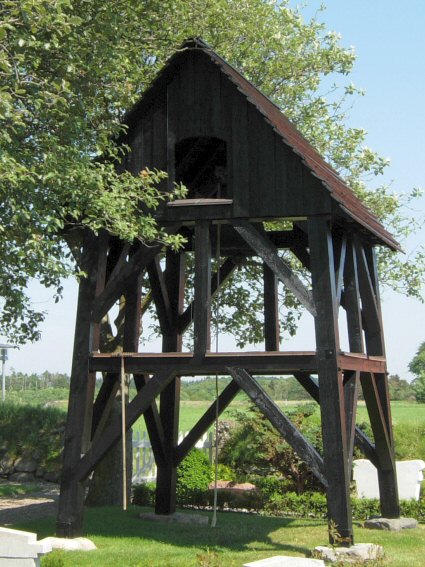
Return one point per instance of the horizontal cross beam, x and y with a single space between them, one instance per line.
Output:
257 362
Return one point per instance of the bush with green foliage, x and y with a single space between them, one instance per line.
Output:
144 494
28 429
255 449
313 505
193 477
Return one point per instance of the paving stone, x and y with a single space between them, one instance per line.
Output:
391 524
286 561
177 517
69 544
358 553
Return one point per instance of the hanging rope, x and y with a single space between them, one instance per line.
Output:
123 435
217 309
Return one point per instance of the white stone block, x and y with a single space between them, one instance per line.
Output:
19 562
21 549
16 543
409 478
286 561
68 544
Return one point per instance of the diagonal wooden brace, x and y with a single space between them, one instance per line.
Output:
269 254
279 420
205 422
140 403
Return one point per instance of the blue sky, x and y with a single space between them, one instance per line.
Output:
390 46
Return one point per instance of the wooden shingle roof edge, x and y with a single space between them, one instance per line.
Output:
349 204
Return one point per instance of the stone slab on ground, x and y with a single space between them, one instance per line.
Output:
391 524
176 517
70 544
286 561
358 553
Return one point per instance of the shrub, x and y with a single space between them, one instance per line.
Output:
270 485
29 429
225 472
193 477
144 494
313 505
254 447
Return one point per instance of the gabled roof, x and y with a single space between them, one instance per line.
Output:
339 191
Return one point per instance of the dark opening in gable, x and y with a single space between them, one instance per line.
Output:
201 165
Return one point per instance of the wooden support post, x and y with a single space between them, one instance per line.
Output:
80 407
170 397
332 404
362 441
218 279
271 310
351 392
375 388
153 423
202 306
103 403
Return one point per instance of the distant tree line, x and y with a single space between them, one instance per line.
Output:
19 381
204 389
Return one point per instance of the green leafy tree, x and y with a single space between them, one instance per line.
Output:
400 389
417 367
68 71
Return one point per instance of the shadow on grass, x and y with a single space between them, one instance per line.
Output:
234 531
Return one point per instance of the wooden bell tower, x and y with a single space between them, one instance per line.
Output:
244 163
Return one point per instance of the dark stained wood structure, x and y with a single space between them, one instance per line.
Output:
243 163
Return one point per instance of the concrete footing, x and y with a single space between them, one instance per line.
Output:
358 553
391 524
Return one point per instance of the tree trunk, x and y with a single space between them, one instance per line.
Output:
106 486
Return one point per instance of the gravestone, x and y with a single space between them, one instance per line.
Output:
409 479
21 549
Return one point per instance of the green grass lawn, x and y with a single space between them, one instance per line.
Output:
124 539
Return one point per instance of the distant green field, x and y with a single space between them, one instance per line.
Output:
407 413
